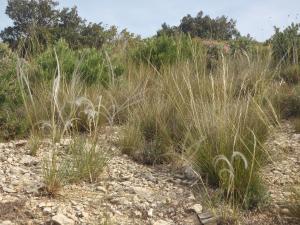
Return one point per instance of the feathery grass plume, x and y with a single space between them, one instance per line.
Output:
227 171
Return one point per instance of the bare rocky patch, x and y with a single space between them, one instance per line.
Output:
127 193
14 211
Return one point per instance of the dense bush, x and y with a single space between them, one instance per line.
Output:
286 45
92 64
241 44
203 26
166 50
12 121
97 67
157 51
47 64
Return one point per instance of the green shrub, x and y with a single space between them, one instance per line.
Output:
286 45
47 65
92 64
241 44
157 51
94 68
12 117
165 50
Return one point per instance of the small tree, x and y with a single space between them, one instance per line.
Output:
167 30
286 44
38 23
30 19
202 26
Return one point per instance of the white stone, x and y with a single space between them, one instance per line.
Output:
61 219
6 222
9 160
28 160
197 208
150 212
101 189
47 210
9 190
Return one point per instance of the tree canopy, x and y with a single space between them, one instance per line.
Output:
42 22
285 44
203 26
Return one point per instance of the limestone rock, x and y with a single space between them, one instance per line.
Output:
6 222
163 222
28 160
60 219
197 208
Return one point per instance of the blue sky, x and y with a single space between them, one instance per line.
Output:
256 17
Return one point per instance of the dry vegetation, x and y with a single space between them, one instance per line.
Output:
177 101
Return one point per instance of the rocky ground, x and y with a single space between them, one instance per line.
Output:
280 174
128 192
284 170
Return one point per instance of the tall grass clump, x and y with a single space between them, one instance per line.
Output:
86 161
61 89
61 109
230 121
53 176
33 144
219 120
287 101
153 132
290 74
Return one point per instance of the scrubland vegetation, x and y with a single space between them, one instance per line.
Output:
178 97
